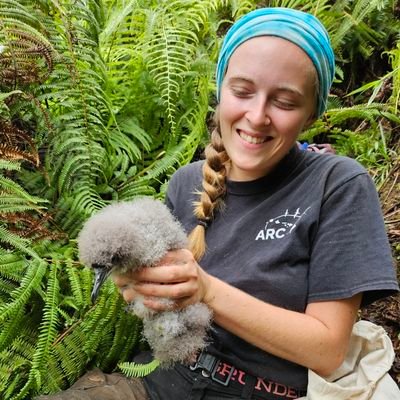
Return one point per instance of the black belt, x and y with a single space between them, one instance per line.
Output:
228 375
209 365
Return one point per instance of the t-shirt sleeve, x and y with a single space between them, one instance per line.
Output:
350 253
182 192
171 193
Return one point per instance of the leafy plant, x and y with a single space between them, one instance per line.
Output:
102 100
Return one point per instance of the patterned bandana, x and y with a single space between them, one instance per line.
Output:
301 28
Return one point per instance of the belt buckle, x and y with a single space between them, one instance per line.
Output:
209 366
206 362
228 377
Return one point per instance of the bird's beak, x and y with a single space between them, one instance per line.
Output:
101 273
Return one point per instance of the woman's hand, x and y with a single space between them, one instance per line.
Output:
177 276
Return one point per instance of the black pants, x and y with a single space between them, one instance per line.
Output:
180 383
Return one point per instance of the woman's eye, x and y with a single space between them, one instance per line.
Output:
239 92
284 104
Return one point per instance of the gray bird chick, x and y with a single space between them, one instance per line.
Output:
131 235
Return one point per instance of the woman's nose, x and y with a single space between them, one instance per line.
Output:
257 115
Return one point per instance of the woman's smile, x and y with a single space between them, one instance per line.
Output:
253 139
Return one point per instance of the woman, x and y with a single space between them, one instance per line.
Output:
285 244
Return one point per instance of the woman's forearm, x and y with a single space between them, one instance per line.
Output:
317 339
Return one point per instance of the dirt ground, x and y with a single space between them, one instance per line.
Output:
386 312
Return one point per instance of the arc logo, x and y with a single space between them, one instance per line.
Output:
281 226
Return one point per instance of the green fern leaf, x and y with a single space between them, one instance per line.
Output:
21 295
133 370
125 337
168 53
16 242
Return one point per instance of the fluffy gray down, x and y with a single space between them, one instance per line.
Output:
135 234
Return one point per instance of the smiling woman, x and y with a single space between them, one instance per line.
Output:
285 245
265 104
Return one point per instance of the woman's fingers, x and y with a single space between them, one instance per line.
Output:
174 291
177 277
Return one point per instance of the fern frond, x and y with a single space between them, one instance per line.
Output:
21 295
74 165
16 241
126 336
102 318
76 285
74 211
132 132
13 136
47 334
394 58
9 165
6 287
133 370
361 111
53 379
12 204
10 186
12 266
353 18
117 16
10 328
70 356
171 43
22 60
135 188
167 56
14 10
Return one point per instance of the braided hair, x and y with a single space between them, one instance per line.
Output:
211 198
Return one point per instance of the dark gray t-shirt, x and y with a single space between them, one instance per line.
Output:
311 230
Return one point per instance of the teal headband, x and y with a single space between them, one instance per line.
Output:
298 27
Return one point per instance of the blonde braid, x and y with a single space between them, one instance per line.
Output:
211 198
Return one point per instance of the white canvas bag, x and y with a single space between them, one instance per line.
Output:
364 373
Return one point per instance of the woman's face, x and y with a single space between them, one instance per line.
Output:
268 96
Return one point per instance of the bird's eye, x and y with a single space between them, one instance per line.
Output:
115 259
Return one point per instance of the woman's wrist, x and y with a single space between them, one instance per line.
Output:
209 291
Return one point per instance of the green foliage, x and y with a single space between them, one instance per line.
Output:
133 370
50 331
102 100
362 132
14 199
